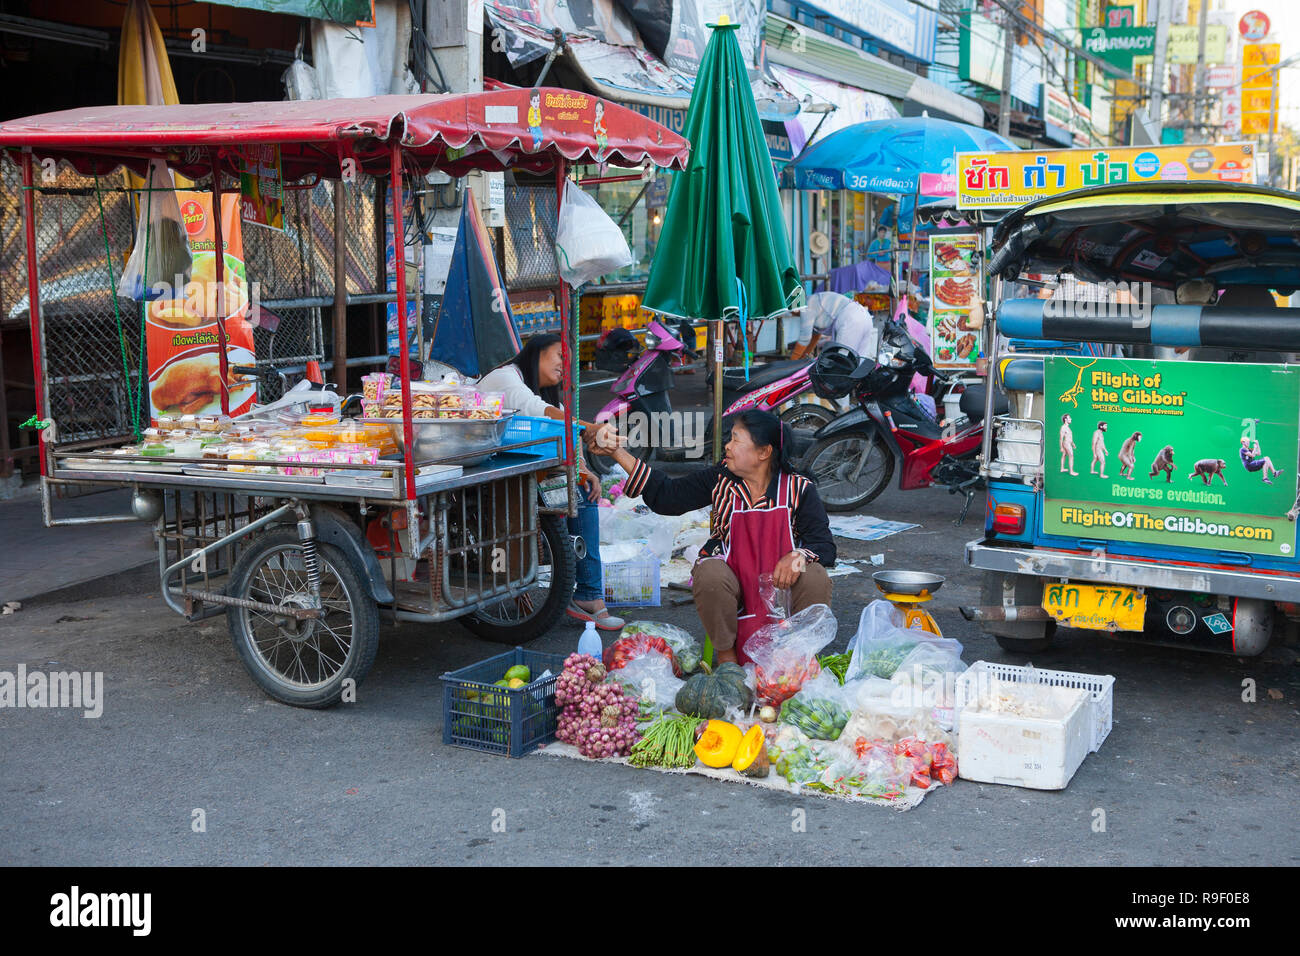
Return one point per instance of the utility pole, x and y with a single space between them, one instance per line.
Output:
1199 103
1008 47
1157 101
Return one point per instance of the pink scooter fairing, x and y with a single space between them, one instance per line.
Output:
661 346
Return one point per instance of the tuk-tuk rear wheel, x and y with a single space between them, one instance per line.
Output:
1018 637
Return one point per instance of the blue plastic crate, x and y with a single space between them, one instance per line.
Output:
632 583
527 428
496 720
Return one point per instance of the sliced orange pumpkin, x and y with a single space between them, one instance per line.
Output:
718 744
751 756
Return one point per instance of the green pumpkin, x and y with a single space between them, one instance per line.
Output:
709 695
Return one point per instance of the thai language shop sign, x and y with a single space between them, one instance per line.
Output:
1173 453
1013 178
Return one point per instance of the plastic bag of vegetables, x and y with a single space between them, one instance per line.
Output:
785 652
649 678
686 649
882 643
628 648
819 709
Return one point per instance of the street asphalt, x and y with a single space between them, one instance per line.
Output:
1190 775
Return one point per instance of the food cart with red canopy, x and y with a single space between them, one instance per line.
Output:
296 563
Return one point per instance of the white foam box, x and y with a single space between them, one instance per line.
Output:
1033 752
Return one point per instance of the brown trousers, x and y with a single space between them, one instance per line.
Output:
717 597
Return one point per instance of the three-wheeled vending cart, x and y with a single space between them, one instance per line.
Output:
301 560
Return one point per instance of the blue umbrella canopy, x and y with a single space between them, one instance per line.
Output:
889 156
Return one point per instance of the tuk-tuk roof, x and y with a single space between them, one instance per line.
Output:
499 129
1162 233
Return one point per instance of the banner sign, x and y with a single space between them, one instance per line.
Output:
1188 454
181 334
1119 45
1013 178
956 327
261 187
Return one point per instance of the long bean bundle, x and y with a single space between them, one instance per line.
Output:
668 742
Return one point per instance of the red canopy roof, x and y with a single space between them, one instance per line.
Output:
499 129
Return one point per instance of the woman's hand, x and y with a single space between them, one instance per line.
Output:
788 569
590 483
604 439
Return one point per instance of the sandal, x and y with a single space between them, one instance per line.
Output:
603 620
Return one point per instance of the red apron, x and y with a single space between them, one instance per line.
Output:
760 538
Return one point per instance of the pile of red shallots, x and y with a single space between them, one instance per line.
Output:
596 717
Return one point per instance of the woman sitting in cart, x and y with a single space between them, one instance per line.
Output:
766 519
531 383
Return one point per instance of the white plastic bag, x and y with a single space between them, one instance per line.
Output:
588 244
882 643
168 245
651 678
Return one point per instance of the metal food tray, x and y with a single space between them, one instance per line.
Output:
198 471
105 464
437 438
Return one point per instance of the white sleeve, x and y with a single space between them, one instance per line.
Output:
518 396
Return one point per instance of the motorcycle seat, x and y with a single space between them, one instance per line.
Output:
972 403
1022 375
733 380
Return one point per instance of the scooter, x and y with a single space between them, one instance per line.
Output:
854 457
642 407
768 388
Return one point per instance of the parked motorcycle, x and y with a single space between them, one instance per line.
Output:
854 457
782 387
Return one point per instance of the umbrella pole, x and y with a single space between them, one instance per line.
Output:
569 353
717 328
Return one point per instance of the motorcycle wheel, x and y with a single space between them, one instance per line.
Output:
833 461
807 416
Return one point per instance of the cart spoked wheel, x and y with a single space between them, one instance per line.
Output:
302 661
533 612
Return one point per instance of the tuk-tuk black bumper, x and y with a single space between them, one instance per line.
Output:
1134 572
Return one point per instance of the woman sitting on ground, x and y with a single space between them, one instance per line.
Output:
766 518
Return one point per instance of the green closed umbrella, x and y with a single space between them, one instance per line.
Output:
723 252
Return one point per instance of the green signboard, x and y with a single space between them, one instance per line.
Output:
1119 45
1187 454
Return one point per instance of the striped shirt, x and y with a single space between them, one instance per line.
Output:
721 491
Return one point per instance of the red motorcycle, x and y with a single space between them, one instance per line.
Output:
854 457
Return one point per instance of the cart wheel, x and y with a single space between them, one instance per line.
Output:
1018 637
520 619
302 662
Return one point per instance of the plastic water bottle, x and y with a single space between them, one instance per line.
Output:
589 643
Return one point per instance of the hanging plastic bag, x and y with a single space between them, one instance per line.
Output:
588 244
776 600
785 652
161 230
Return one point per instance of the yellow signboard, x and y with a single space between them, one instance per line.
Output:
1256 124
1257 101
1012 178
1261 54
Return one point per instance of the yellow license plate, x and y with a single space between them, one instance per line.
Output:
1095 607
